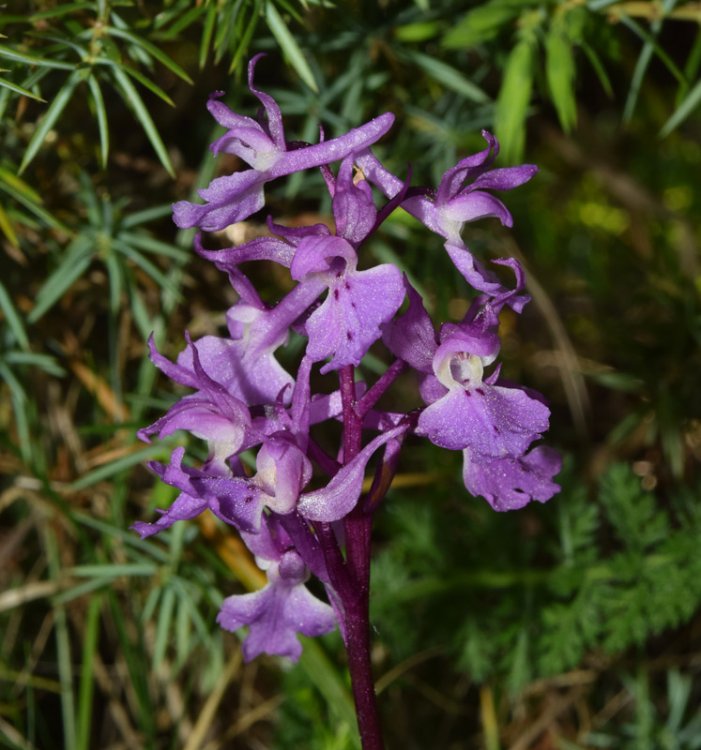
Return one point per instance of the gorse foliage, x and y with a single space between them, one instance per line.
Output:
486 625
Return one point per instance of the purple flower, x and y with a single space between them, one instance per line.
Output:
474 413
302 511
509 483
358 302
461 197
263 147
278 612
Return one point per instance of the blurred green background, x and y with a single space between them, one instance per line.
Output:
570 625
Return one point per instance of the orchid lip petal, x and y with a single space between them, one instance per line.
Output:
339 497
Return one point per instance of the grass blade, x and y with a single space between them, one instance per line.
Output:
101 114
41 62
326 679
145 264
85 691
13 319
151 245
449 77
514 98
165 617
152 50
147 215
74 264
50 117
688 105
289 46
19 403
114 467
131 97
19 90
7 228
560 70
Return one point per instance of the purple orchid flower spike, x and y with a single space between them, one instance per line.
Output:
307 507
263 147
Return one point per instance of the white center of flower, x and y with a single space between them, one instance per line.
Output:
461 369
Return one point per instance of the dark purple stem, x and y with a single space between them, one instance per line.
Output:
373 394
356 598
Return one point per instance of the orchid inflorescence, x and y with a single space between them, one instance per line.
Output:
243 399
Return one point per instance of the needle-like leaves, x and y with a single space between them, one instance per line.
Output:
289 46
51 116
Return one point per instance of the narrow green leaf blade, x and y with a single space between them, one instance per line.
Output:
449 77
7 228
41 62
514 98
73 266
131 96
49 119
13 319
479 25
152 50
688 105
560 71
101 114
289 46
19 90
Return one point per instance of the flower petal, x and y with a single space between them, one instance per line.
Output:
339 497
509 483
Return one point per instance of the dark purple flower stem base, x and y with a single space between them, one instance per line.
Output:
355 595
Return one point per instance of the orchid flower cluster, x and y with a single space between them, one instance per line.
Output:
303 512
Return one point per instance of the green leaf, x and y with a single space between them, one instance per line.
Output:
50 117
114 275
651 46
146 215
85 691
11 54
77 259
101 114
19 403
244 41
289 46
514 98
12 318
18 185
479 25
110 469
152 50
61 10
560 70
145 264
137 75
44 362
207 32
420 31
7 228
598 67
165 617
322 674
688 105
19 90
448 77
131 97
150 245
113 570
